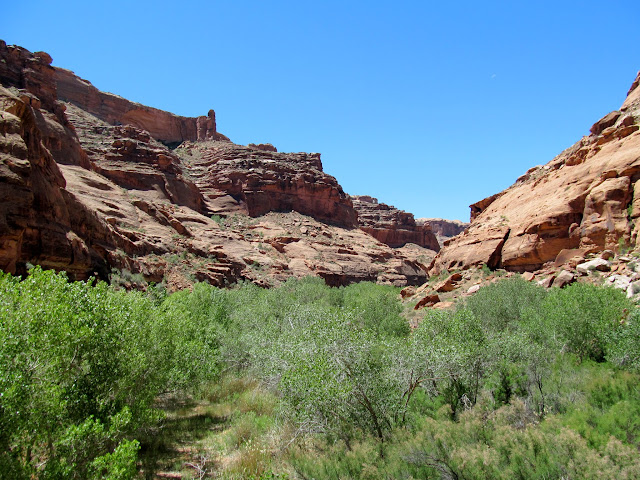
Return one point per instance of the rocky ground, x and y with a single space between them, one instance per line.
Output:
606 268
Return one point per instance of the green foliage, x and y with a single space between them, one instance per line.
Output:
516 382
585 317
623 342
80 367
218 219
500 306
377 307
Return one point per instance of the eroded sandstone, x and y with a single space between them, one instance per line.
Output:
392 226
581 200
95 183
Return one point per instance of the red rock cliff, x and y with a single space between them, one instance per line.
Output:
586 198
87 191
162 126
391 226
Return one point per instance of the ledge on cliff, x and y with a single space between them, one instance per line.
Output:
162 126
392 226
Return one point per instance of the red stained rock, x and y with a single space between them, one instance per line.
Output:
91 185
408 292
235 179
427 301
579 200
115 110
449 284
391 226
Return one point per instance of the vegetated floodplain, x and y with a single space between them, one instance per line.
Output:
310 382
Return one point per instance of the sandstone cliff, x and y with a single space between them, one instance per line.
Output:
584 200
391 226
256 180
162 126
442 228
96 183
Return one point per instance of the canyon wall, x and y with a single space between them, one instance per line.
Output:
585 200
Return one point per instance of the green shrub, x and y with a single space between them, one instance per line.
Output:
80 368
623 342
501 305
584 317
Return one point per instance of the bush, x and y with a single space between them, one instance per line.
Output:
80 367
584 318
501 306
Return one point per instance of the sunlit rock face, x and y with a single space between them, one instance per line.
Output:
91 182
586 198
392 226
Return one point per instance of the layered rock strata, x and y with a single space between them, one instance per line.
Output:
162 126
443 229
392 226
584 200
90 185
256 180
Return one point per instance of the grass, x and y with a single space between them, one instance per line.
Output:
228 431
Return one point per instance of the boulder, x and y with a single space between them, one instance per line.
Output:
547 282
473 289
408 292
598 264
563 279
449 284
427 301
621 282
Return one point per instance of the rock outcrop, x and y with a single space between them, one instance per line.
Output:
256 180
391 226
443 229
585 199
96 184
162 126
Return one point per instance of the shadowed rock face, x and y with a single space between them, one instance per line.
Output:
391 226
585 198
91 185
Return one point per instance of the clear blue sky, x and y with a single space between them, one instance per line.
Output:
429 106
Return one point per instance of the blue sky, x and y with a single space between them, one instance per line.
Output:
429 106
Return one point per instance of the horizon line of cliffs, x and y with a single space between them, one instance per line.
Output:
53 122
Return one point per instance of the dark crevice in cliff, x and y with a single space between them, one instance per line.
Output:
495 260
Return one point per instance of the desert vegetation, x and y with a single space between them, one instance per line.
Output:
304 381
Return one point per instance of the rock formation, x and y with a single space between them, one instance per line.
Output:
162 126
586 199
256 180
96 183
391 226
443 229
